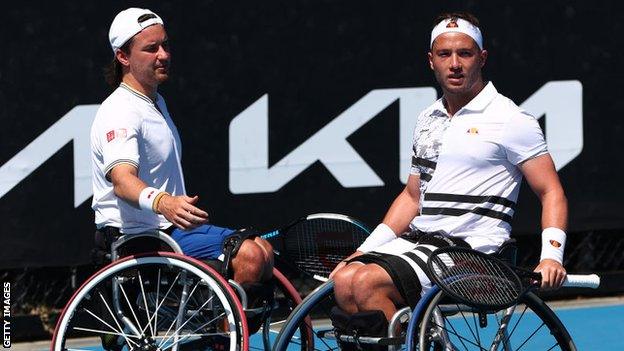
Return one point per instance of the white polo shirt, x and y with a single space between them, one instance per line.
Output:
129 128
468 167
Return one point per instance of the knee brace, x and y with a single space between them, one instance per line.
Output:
231 245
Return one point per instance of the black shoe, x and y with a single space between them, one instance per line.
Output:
211 343
365 323
112 342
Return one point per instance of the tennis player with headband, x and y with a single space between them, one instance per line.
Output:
471 149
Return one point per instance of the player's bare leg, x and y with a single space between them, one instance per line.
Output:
268 251
343 287
250 263
373 289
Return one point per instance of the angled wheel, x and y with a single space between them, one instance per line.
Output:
159 301
287 298
532 325
310 319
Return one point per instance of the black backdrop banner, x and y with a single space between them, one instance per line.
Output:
286 108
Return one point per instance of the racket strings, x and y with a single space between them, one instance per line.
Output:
478 280
318 245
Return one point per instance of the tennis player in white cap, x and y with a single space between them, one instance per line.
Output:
138 183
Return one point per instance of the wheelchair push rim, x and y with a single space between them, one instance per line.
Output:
187 321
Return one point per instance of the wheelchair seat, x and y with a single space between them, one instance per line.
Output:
132 244
508 252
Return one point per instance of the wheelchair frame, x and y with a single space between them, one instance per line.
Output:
231 290
431 307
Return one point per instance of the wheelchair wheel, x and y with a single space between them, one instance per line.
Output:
287 298
159 301
532 325
308 324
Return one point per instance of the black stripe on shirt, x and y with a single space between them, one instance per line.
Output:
117 162
460 211
425 176
419 161
470 199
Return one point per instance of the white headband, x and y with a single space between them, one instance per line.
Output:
457 25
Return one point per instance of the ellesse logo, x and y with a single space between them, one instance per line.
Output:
452 23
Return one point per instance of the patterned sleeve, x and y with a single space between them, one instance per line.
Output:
414 169
523 138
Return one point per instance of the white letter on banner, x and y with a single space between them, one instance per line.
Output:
562 104
73 126
249 148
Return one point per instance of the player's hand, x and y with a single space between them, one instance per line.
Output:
344 263
180 211
553 274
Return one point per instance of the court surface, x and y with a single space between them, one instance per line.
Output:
596 324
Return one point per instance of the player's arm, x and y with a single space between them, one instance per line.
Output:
403 209
541 175
179 210
396 221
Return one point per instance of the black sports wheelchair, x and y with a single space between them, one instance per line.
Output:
478 302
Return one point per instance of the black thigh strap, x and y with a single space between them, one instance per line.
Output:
230 246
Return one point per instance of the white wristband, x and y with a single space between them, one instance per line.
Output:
381 235
147 197
553 244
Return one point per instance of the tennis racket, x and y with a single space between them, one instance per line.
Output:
316 243
484 282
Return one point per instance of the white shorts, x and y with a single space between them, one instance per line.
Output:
406 262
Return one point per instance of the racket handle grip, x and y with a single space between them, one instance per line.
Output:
582 281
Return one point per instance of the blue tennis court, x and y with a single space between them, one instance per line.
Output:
592 325
595 328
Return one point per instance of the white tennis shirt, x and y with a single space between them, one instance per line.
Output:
468 167
130 128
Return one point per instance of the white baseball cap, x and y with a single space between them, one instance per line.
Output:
128 23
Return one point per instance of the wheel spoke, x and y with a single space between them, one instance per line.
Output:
186 336
145 303
166 336
191 317
115 318
176 313
530 336
474 320
117 331
510 329
454 332
99 331
123 291
161 302
513 330
467 325
156 303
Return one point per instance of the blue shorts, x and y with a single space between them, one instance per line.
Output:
203 242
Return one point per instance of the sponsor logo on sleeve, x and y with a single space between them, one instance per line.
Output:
116 133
